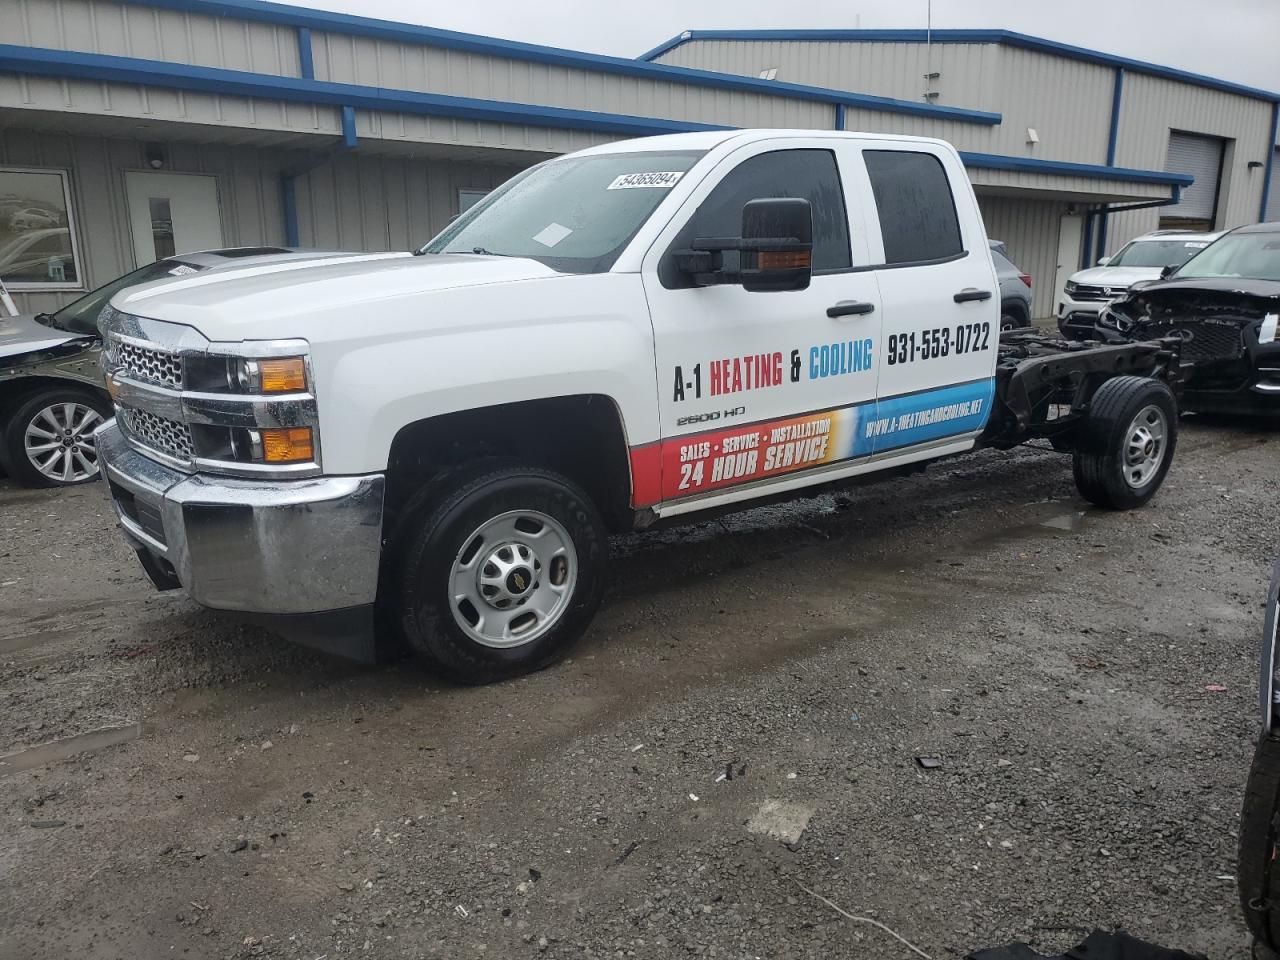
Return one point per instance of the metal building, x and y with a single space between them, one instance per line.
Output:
133 128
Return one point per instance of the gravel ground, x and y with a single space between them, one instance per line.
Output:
179 784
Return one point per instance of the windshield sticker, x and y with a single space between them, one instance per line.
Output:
1196 244
629 181
552 235
1268 332
182 270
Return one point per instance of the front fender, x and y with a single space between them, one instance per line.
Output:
484 346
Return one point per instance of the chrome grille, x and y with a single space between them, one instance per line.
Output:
153 366
1090 292
160 433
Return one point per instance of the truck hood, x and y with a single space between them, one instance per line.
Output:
282 301
1119 277
21 335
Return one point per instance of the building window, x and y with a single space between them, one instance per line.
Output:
37 235
469 198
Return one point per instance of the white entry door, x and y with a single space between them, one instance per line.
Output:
1070 236
172 213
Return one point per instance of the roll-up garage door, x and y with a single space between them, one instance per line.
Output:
1273 198
1201 157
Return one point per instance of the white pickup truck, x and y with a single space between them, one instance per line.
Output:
431 449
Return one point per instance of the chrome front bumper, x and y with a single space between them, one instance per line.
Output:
251 545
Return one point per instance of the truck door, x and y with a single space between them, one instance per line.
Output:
940 300
760 390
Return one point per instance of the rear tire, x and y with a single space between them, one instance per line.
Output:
1126 443
46 438
501 572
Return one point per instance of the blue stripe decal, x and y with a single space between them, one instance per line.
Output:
921 417
1007 37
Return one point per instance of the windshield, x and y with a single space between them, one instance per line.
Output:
575 215
1253 256
81 316
1157 253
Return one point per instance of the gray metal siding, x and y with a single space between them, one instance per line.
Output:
382 203
403 66
248 191
130 30
1152 107
1066 101
1029 229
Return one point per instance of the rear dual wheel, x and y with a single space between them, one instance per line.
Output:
498 573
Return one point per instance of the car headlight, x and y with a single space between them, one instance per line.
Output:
274 375
1070 288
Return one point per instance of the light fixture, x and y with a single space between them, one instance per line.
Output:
155 156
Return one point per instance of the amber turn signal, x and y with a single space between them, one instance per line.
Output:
285 375
289 445
784 260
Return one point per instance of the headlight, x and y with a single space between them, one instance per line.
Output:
1070 288
276 375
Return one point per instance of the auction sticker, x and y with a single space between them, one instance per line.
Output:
629 181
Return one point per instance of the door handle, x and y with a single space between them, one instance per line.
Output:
971 293
850 308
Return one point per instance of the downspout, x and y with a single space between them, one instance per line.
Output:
839 116
1270 161
1117 91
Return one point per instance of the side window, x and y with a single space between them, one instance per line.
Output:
808 174
917 212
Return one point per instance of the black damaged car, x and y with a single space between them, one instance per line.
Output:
1224 304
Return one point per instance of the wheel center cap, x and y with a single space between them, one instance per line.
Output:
519 581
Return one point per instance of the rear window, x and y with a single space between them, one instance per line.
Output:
917 212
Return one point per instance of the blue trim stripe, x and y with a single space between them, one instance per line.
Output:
96 66
102 67
1270 163
1113 135
349 127
306 65
342 23
992 161
1007 37
289 201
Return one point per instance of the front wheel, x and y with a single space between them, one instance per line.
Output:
47 438
1126 444
500 574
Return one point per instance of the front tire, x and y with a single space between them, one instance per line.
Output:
501 573
47 439
1126 443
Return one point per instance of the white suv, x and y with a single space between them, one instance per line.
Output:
1086 292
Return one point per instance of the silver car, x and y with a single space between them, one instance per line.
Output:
51 390
1015 289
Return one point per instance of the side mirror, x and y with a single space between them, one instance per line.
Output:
1167 271
1103 261
775 250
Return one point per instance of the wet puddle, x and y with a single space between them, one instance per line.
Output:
56 750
